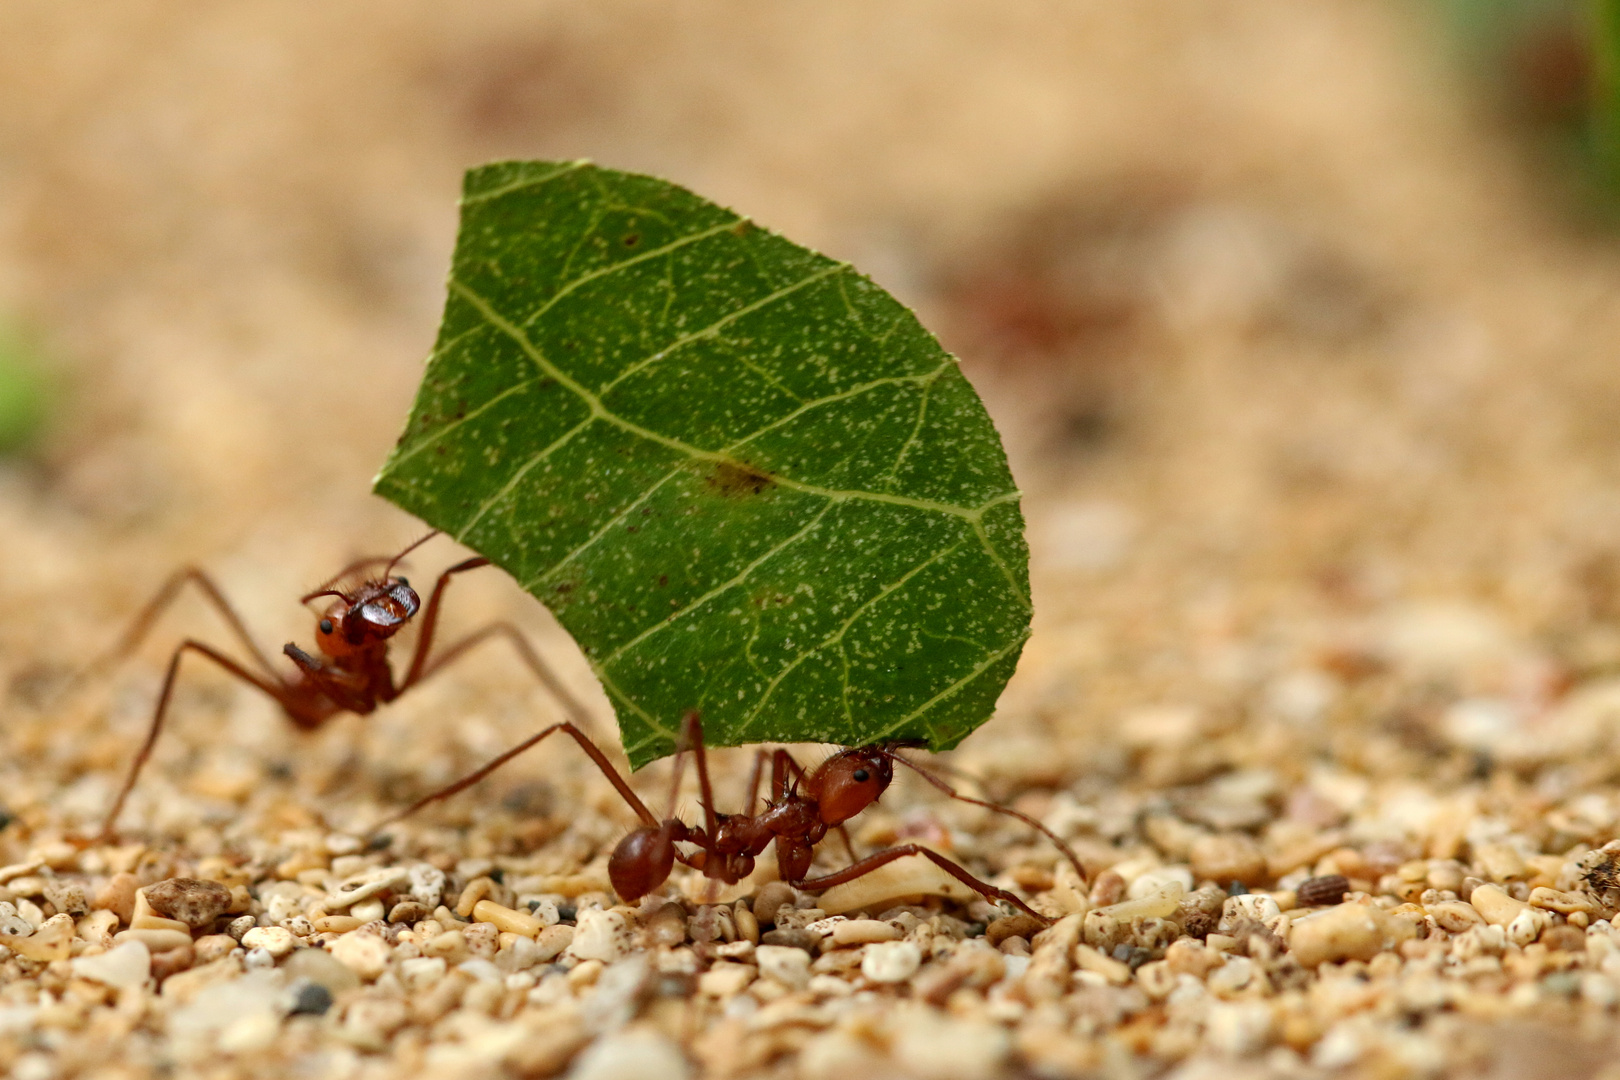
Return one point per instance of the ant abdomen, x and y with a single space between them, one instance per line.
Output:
642 861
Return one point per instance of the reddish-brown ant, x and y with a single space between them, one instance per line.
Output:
351 674
802 809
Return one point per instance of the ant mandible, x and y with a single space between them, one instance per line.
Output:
351 674
804 807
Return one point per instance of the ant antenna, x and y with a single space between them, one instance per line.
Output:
1062 845
324 592
389 569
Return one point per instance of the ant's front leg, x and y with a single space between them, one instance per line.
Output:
422 668
302 712
889 855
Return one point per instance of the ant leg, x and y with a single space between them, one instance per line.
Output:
148 616
692 739
889 855
430 622
591 750
755 774
277 690
1061 845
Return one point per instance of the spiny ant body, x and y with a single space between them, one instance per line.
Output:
802 809
349 672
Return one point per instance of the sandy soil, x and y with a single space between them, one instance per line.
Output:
1307 376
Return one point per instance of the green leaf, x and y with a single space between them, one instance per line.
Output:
743 476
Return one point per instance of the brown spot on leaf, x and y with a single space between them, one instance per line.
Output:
734 478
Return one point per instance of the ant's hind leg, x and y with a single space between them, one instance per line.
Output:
148 616
592 751
889 855
275 689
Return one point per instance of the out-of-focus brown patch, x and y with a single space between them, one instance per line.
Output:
500 91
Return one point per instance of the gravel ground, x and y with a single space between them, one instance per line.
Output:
1306 376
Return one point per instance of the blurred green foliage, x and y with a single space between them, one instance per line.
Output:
1551 65
23 391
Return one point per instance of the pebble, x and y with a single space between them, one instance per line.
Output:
509 921
1347 932
278 941
786 965
864 932
125 966
364 954
726 980
362 887
792 939
426 885
1322 891
891 961
1227 857
554 940
631 1055
935 1047
189 900
602 935
156 940
320 966
310 999
772 896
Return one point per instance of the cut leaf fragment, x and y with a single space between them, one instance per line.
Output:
743 476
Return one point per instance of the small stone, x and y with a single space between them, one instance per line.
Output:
240 926
1496 906
193 902
726 980
67 895
936 1047
362 887
123 967
173 961
211 947
507 920
408 912
157 940
602 935
278 941
771 896
788 966
1347 932
118 896
364 954
1454 916
553 941
320 966
631 1055
664 927
1322 891
1228 857
310 999
426 885
1010 926
864 932
791 939
333 924
891 961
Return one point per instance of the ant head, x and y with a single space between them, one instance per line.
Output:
373 613
850 781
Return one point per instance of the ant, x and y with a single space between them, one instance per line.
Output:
802 809
351 672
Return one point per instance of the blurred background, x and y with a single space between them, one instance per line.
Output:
1298 320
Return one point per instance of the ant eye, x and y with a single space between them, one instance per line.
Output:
861 776
326 626
403 580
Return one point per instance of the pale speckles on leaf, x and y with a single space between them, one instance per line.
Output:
744 477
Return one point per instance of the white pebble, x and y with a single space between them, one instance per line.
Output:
128 965
275 940
935 1048
420 972
891 961
785 964
602 935
1238 1028
364 954
427 885
631 1055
